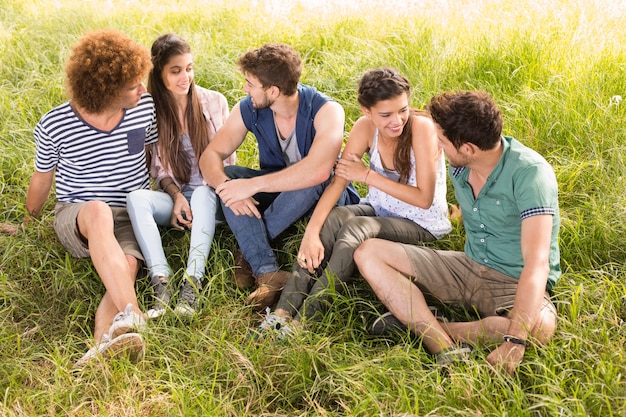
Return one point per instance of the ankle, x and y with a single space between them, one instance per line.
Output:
159 280
282 313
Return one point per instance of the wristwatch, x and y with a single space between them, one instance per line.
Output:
514 340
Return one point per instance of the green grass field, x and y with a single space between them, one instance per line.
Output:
558 70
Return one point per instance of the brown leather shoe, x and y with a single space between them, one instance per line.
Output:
243 272
268 289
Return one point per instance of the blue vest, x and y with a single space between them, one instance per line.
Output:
261 123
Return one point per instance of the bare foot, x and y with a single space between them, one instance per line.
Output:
455 214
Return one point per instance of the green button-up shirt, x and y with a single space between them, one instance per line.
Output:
521 185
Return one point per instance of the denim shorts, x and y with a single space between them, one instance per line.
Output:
452 278
66 228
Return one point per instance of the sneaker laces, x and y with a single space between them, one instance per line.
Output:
126 321
123 314
161 288
275 324
189 290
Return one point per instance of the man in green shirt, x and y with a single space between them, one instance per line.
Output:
508 196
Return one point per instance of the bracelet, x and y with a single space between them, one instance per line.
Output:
515 340
367 175
167 185
172 196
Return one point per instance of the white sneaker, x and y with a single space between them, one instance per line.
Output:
127 344
127 321
274 326
185 310
155 313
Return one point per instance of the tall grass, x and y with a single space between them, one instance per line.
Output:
556 68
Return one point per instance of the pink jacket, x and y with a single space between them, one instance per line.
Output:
215 109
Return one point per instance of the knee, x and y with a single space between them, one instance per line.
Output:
331 226
545 327
204 194
97 212
339 214
357 230
364 254
94 218
236 171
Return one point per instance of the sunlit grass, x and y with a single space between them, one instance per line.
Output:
555 67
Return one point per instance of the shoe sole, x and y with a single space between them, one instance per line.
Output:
185 311
387 324
128 345
120 327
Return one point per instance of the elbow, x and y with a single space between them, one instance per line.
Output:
419 197
319 177
428 204
425 204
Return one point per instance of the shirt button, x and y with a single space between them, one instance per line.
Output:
475 209
482 240
482 226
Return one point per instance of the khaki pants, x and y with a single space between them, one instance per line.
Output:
452 278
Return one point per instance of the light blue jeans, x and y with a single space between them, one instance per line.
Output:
149 209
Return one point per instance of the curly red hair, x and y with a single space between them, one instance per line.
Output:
101 65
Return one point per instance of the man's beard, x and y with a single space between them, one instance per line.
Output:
264 105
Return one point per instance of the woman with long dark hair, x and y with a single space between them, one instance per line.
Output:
188 116
406 200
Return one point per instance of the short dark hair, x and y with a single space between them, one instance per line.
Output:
467 117
274 64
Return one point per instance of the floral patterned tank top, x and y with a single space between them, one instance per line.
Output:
434 219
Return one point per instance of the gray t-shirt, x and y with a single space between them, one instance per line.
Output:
289 146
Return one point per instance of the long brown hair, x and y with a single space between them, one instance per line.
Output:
170 128
383 84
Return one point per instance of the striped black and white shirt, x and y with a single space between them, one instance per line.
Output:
92 164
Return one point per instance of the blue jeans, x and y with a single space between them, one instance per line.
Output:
278 212
149 209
